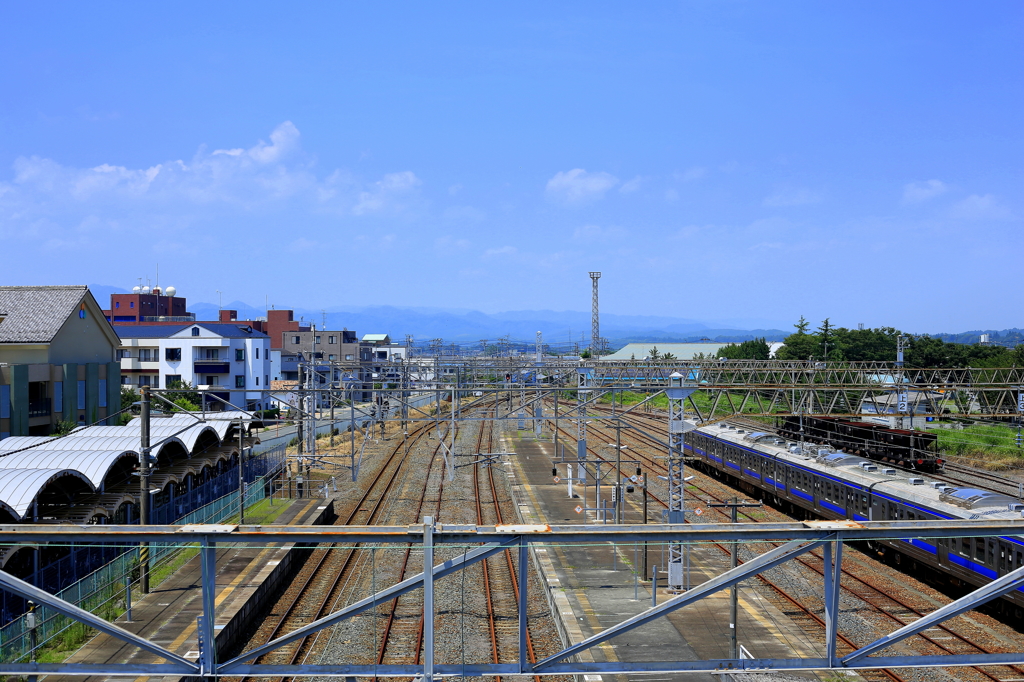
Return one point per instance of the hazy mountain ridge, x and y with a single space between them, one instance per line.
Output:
465 326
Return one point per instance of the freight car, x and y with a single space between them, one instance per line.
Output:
907 449
822 483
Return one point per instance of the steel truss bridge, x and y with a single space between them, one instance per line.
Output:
480 542
751 387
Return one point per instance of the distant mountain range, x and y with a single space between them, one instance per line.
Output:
560 328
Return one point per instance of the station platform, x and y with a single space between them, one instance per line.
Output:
247 582
594 587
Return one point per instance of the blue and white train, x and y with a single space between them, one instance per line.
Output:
822 483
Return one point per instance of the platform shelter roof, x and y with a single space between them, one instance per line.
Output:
121 443
93 464
20 487
220 422
157 432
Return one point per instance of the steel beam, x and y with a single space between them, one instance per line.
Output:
762 563
469 534
998 587
397 590
44 598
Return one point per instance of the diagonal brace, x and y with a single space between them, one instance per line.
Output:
736 575
397 590
20 587
998 587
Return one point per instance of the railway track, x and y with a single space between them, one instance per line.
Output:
410 483
863 585
499 570
316 586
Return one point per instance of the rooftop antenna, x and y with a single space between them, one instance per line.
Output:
323 314
220 300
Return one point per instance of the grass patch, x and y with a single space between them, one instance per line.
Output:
991 446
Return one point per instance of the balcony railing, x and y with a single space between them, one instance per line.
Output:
212 367
191 317
39 407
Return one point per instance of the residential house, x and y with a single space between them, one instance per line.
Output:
232 361
57 360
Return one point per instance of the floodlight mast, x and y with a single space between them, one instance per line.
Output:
595 318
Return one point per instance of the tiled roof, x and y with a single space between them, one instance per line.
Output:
36 314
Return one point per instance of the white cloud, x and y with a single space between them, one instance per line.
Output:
501 251
578 186
691 174
267 175
283 140
301 244
387 194
980 207
596 233
916 192
631 186
799 196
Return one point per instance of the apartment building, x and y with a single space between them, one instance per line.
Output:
57 360
232 361
305 345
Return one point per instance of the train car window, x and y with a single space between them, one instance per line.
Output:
1002 557
964 546
979 549
991 553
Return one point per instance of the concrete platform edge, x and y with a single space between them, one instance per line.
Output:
565 617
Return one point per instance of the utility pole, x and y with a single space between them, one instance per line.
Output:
902 402
618 470
595 318
241 475
144 487
582 394
733 505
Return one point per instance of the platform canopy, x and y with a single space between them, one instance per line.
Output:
121 443
20 487
94 465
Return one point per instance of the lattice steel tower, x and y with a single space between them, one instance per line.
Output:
595 318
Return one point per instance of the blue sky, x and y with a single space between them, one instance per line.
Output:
715 160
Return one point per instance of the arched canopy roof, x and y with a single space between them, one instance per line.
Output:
19 487
220 422
93 464
123 443
157 432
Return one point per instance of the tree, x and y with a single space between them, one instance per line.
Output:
756 349
185 396
799 345
825 333
654 353
63 428
668 356
585 354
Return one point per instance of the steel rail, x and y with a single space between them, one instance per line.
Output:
868 600
325 553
